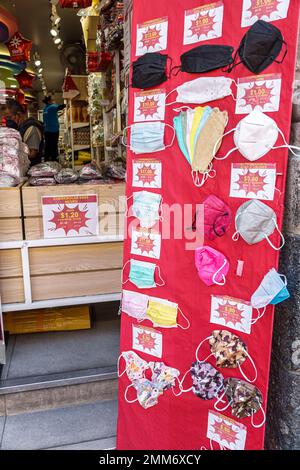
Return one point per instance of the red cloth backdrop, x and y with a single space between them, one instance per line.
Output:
181 422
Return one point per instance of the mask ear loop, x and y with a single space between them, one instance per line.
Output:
125 395
127 199
217 272
178 110
182 390
257 426
260 315
118 366
199 346
254 367
167 96
187 320
174 135
281 236
220 140
162 281
220 399
179 384
284 279
236 234
123 136
125 282
286 144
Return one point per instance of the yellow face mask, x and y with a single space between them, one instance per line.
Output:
164 313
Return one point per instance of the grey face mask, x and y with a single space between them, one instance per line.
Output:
255 221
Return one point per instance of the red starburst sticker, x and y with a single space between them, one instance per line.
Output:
145 243
151 37
230 313
69 218
146 340
203 24
225 432
264 7
251 182
148 107
258 95
146 174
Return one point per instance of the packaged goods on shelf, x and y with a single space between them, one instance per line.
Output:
90 171
46 169
114 171
41 181
66 176
14 161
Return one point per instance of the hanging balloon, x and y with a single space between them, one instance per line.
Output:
20 97
75 3
70 89
19 48
25 79
8 25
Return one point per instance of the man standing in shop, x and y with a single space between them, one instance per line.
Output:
51 128
30 129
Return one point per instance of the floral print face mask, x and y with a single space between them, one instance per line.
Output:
207 382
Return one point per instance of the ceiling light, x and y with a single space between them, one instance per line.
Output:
57 41
53 32
37 62
13 86
40 70
57 20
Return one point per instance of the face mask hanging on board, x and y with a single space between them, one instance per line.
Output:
254 222
211 265
199 133
260 47
142 274
207 382
271 291
147 137
255 135
146 207
244 399
217 218
149 70
205 58
229 350
202 90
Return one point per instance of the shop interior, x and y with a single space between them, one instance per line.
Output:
60 294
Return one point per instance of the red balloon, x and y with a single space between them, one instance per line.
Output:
25 79
20 97
19 48
8 25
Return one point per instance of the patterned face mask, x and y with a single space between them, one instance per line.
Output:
163 376
135 366
207 382
229 350
245 400
146 393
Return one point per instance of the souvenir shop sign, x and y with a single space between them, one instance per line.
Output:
2 342
203 23
267 10
70 216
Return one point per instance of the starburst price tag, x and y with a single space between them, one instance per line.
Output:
149 105
253 180
146 173
146 243
226 431
234 313
70 216
261 93
152 36
267 10
147 340
203 23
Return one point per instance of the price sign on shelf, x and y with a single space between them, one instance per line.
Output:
70 216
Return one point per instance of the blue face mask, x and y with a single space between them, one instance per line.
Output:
142 274
148 137
281 296
272 290
178 126
146 208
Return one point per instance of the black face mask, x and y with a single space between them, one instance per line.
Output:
203 59
260 47
149 70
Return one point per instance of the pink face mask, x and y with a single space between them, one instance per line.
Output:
135 304
212 266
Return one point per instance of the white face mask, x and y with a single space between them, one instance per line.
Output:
254 136
203 90
270 287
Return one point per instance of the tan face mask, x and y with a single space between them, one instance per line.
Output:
206 147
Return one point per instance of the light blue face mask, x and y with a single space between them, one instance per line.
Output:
272 290
180 134
146 207
141 274
147 137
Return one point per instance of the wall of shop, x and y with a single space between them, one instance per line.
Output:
283 426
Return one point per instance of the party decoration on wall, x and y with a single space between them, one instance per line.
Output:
261 93
19 48
149 105
226 431
8 25
25 79
147 340
253 180
146 243
232 313
70 89
267 10
146 173
75 3
203 23
152 36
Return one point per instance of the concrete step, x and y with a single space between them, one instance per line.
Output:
79 427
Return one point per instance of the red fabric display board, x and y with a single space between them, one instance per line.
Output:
187 421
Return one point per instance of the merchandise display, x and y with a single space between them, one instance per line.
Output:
14 161
224 280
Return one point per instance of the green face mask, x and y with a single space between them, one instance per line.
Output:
180 129
142 274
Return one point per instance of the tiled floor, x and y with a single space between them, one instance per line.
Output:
80 427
